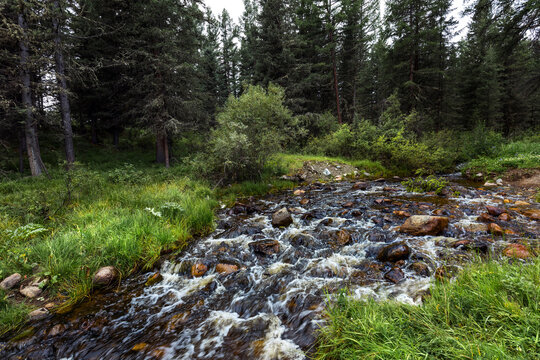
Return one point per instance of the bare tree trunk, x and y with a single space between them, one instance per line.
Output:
62 85
22 148
116 136
160 148
93 130
30 129
333 55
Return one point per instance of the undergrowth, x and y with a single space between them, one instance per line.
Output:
491 311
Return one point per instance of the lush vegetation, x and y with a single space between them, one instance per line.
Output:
491 311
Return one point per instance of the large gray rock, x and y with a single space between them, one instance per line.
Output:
282 218
31 291
11 281
38 314
105 276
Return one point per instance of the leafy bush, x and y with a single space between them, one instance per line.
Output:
126 174
427 184
250 129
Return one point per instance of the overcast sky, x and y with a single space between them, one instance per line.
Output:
236 8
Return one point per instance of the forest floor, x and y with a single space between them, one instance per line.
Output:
118 208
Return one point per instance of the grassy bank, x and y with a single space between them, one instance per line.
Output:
519 154
491 311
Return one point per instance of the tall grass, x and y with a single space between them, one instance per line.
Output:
491 311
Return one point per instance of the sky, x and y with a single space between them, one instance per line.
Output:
236 8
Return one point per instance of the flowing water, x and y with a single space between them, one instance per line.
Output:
273 305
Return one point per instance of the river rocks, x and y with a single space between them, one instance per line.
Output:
533 214
420 268
495 229
494 211
304 202
105 276
154 279
56 330
11 281
395 275
521 203
518 251
198 269
485 218
299 192
505 217
360 186
265 247
38 314
226 268
420 225
31 291
348 204
474 227
401 213
394 252
282 217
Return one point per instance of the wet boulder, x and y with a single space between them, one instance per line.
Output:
265 247
533 214
494 211
154 279
420 225
485 218
11 281
360 186
420 268
226 268
343 237
198 269
105 276
394 252
495 229
282 217
395 275
505 217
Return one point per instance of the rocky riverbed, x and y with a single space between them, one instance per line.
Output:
256 288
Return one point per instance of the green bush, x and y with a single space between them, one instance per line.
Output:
250 129
426 184
126 174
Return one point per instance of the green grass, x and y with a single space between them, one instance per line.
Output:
491 311
521 154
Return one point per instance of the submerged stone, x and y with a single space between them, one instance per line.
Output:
282 217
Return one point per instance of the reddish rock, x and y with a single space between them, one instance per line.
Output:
494 211
402 213
360 186
485 218
299 192
356 213
394 252
265 247
304 202
420 225
517 251
198 270
226 268
495 229
348 204
424 207
505 217
532 214
521 203
461 243
395 275
438 212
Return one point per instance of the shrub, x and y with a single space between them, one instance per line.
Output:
250 129
427 184
126 174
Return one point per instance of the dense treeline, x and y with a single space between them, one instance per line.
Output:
96 68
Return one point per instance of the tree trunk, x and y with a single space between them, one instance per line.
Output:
334 66
22 148
62 87
30 129
162 148
116 136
